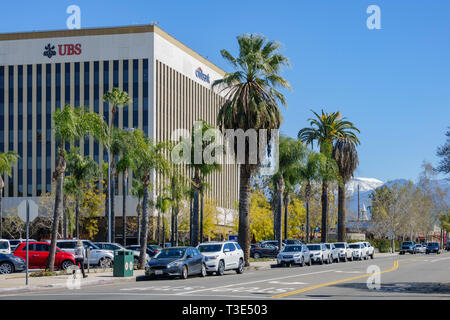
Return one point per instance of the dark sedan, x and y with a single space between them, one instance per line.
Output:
433 247
177 261
264 249
9 263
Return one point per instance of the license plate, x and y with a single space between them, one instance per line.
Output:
158 272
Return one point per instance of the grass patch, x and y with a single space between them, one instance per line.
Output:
43 273
260 259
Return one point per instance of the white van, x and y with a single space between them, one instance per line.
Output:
4 246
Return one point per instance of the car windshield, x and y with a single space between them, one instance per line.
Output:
355 246
433 244
313 247
210 248
171 253
292 249
4 245
339 245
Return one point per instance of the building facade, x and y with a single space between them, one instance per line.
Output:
169 83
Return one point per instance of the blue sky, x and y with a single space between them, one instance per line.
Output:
393 83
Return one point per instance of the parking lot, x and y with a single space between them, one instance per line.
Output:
417 276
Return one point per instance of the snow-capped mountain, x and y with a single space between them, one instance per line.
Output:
366 186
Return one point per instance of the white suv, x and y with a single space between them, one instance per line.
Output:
370 249
345 252
222 256
319 253
100 257
5 246
359 251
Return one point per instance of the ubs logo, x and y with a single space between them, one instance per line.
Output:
199 73
63 50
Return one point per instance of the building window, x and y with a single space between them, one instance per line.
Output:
11 124
20 131
77 83
135 93
145 96
39 130
29 130
116 85
125 88
2 109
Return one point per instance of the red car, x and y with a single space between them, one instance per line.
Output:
38 255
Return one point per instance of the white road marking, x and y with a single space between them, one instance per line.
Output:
287 283
440 259
257 281
349 271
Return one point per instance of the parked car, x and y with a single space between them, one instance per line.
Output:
10 263
345 252
15 242
98 257
291 241
408 246
264 249
433 247
116 247
334 251
222 256
150 251
420 248
5 246
294 254
447 246
38 255
177 261
319 253
370 249
359 251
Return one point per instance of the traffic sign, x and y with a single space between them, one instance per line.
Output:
22 210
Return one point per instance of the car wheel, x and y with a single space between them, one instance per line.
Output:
240 269
105 262
337 260
256 255
203 272
321 261
6 268
221 268
184 273
66 264
372 255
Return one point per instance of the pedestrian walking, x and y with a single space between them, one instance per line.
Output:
79 257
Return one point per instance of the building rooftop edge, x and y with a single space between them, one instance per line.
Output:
109 31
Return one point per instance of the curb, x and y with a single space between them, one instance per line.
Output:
51 286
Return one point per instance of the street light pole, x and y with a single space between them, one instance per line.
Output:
109 196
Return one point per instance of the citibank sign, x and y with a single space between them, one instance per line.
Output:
68 49
202 76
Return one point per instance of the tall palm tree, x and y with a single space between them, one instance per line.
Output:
346 157
71 124
7 161
137 190
309 173
324 129
252 103
83 171
291 152
117 98
201 171
147 158
122 143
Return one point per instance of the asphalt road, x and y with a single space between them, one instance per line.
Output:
417 276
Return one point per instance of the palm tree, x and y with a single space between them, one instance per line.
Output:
201 171
7 161
71 124
308 173
291 152
252 103
324 129
122 143
162 205
346 157
137 190
146 158
117 98
83 171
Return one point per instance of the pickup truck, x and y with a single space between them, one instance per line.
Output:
408 246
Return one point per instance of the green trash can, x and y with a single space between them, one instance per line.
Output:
123 263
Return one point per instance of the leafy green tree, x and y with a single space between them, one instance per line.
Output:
346 157
444 153
325 129
83 171
117 98
71 124
251 103
7 161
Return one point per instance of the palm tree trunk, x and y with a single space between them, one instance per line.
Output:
158 227
307 221
280 190
201 218
244 211
139 209
64 217
58 206
124 207
341 213
1 212
144 231
195 218
191 219
113 213
324 230
176 225
77 218
287 200
172 228
107 210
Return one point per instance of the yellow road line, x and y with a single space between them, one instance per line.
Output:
282 295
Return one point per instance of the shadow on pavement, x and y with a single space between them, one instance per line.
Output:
406 287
